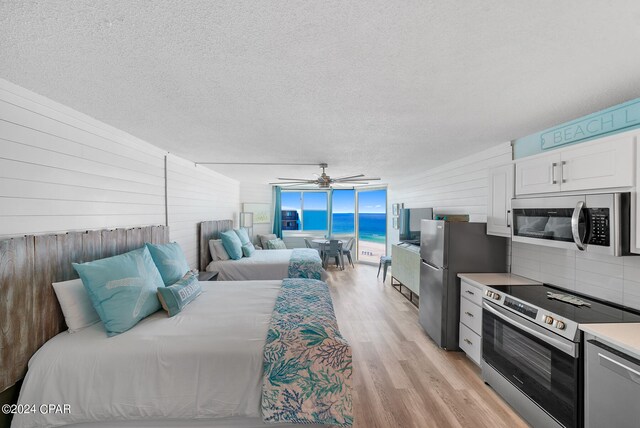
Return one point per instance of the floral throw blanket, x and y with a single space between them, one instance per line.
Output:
305 263
307 363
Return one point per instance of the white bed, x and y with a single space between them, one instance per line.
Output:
202 367
262 265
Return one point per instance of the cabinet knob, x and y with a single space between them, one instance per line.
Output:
468 341
469 314
469 292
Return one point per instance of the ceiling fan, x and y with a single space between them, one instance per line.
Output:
323 181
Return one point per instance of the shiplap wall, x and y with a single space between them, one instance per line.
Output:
261 194
458 187
195 194
61 170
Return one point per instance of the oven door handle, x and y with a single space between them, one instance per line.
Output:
575 226
563 346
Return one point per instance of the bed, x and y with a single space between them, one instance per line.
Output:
262 265
202 367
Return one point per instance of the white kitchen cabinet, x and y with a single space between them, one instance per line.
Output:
635 211
499 200
470 340
601 164
538 175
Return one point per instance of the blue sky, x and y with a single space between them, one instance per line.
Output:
343 201
373 201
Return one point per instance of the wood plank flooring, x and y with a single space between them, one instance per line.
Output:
401 378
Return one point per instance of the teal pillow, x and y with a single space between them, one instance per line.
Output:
232 244
122 289
276 244
243 235
248 249
169 260
175 297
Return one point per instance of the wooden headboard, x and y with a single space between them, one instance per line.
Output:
29 310
209 230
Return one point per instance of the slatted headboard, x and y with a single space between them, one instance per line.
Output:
208 230
29 310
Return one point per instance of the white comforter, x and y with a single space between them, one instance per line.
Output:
262 265
205 362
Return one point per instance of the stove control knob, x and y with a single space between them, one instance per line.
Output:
489 294
559 325
496 296
548 319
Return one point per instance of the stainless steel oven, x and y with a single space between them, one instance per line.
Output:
534 369
596 223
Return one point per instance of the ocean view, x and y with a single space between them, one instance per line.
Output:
373 226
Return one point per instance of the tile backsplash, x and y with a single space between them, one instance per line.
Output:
616 279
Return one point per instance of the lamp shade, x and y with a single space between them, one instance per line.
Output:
246 219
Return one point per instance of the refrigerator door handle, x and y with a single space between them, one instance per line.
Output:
430 265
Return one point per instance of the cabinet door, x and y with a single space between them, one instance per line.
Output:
635 210
539 175
598 165
499 201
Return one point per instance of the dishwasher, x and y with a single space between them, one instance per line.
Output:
611 387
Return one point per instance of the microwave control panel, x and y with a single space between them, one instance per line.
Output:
599 226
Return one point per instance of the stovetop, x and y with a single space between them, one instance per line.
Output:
595 311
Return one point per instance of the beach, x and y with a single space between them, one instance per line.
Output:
369 251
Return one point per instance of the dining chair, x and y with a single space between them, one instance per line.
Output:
310 244
334 249
346 250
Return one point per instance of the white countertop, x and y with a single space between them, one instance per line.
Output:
625 336
489 279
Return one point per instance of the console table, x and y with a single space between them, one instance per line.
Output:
406 269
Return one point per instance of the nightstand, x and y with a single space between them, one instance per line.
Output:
207 276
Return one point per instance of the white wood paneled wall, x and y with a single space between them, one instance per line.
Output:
195 194
458 187
616 279
61 170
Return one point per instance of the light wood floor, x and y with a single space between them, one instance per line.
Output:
401 378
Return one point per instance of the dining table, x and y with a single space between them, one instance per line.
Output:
323 243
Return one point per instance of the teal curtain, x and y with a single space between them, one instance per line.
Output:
277 215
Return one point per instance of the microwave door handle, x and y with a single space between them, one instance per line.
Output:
575 223
560 345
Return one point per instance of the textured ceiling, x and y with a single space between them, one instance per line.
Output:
380 87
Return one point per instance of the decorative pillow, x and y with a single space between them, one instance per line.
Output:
266 238
248 249
243 235
232 244
212 250
170 261
122 289
175 297
76 306
221 252
276 244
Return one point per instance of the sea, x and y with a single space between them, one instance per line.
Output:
373 226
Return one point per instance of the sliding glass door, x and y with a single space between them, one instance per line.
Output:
371 224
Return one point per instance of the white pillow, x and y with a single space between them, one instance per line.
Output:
76 306
221 252
212 250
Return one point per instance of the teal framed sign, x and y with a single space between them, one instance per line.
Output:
613 120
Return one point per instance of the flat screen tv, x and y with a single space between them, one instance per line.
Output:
409 223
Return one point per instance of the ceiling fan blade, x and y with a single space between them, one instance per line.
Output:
293 179
348 176
294 182
349 180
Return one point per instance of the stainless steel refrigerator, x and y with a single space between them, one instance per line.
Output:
446 249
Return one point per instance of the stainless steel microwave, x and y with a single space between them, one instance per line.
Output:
596 223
